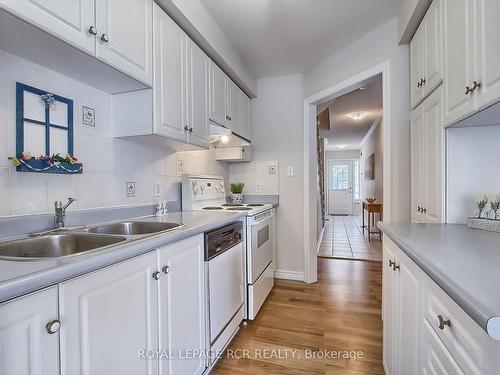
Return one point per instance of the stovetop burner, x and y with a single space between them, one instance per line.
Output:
212 208
238 209
232 205
255 205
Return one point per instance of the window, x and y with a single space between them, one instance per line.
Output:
340 177
356 180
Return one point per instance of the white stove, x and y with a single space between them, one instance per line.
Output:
208 193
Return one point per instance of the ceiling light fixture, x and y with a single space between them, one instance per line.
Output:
357 116
224 139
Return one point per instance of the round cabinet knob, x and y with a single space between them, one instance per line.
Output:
105 38
156 275
92 30
443 322
166 270
53 326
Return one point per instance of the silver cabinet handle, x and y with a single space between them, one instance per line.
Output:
229 118
156 275
105 38
166 270
443 322
424 210
53 326
475 85
186 128
190 130
92 30
468 90
391 263
419 209
395 267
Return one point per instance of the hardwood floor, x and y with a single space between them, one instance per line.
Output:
342 312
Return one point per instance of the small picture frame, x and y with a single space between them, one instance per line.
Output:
88 116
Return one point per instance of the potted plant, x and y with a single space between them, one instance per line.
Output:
236 192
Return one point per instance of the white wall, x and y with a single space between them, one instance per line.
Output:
108 163
277 134
256 173
373 144
374 48
472 169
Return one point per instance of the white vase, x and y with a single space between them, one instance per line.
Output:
236 198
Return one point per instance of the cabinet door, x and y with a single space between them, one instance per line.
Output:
417 164
182 305
416 68
436 360
66 20
388 310
233 120
108 317
488 52
245 115
197 94
432 26
169 77
409 317
217 95
124 38
459 56
434 159
26 347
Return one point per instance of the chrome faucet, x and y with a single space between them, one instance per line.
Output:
61 211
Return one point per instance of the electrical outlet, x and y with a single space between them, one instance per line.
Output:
156 189
180 167
258 187
130 189
272 169
290 172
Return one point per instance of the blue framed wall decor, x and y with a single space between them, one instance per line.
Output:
44 132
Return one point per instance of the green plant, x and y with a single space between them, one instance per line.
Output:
236 188
495 204
481 202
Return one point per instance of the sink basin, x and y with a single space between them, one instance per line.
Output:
133 228
55 245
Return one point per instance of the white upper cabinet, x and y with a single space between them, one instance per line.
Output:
29 337
488 51
233 119
124 36
197 94
71 21
182 305
169 77
217 95
426 49
427 161
459 56
108 316
117 32
245 115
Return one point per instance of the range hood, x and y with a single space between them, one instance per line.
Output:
220 136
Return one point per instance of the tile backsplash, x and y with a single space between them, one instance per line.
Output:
109 163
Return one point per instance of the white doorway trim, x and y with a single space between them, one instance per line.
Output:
310 158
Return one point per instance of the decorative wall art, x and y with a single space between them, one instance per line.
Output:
88 116
44 132
370 167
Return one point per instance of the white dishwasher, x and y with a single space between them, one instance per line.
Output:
226 283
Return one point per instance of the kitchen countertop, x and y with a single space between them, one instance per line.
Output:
464 262
22 277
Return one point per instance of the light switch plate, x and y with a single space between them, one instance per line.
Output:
130 189
156 189
180 167
290 172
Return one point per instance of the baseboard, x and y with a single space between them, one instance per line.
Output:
320 239
289 275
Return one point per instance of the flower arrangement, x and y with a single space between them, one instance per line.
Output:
481 202
50 164
486 219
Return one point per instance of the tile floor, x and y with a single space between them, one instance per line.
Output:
343 238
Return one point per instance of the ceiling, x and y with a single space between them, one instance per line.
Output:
279 37
345 131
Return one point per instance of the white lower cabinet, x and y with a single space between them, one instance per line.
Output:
425 331
108 317
182 306
29 340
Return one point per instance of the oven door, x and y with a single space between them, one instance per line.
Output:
260 246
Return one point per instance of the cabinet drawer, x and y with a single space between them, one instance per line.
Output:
436 358
465 340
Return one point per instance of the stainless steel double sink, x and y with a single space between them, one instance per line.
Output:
63 243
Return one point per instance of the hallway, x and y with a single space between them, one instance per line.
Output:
343 238
342 312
